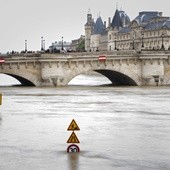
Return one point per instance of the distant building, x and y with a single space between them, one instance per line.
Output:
57 46
149 31
75 44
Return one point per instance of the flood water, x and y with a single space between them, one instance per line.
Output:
121 128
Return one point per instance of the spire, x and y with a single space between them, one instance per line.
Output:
99 26
116 21
98 14
89 11
116 5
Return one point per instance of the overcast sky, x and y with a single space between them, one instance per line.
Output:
30 19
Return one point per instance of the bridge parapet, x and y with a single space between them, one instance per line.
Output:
58 69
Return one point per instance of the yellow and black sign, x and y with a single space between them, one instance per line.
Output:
0 99
73 126
73 138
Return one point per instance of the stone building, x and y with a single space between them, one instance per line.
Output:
76 43
148 31
60 45
89 26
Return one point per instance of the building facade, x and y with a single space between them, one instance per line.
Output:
76 44
148 31
59 46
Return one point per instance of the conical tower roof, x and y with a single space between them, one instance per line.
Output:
120 19
99 26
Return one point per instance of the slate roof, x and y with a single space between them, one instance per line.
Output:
125 30
99 26
158 25
146 16
144 19
149 26
120 18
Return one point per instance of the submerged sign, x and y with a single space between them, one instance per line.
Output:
73 138
73 148
73 126
0 99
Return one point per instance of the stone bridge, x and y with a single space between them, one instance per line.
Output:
121 67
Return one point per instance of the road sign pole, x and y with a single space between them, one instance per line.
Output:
73 138
0 99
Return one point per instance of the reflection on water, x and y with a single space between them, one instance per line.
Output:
120 127
73 161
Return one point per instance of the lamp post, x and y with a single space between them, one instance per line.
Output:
42 44
115 44
25 46
142 40
162 47
61 43
133 43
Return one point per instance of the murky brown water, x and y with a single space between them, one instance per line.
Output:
120 128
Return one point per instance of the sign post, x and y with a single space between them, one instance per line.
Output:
0 99
73 138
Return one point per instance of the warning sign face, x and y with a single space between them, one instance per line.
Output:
73 139
73 126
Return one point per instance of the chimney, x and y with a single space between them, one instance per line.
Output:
160 13
104 24
109 22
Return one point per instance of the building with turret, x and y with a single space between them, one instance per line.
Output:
89 26
148 31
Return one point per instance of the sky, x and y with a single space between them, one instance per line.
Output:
30 20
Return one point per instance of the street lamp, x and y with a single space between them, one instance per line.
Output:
142 40
162 47
62 43
42 44
25 46
115 43
133 43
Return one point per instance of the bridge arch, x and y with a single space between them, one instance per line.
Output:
23 81
25 78
117 77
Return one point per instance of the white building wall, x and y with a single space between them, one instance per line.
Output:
95 41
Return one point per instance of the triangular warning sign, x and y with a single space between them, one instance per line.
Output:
73 126
73 138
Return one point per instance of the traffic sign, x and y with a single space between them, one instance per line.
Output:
73 138
73 148
102 58
73 126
